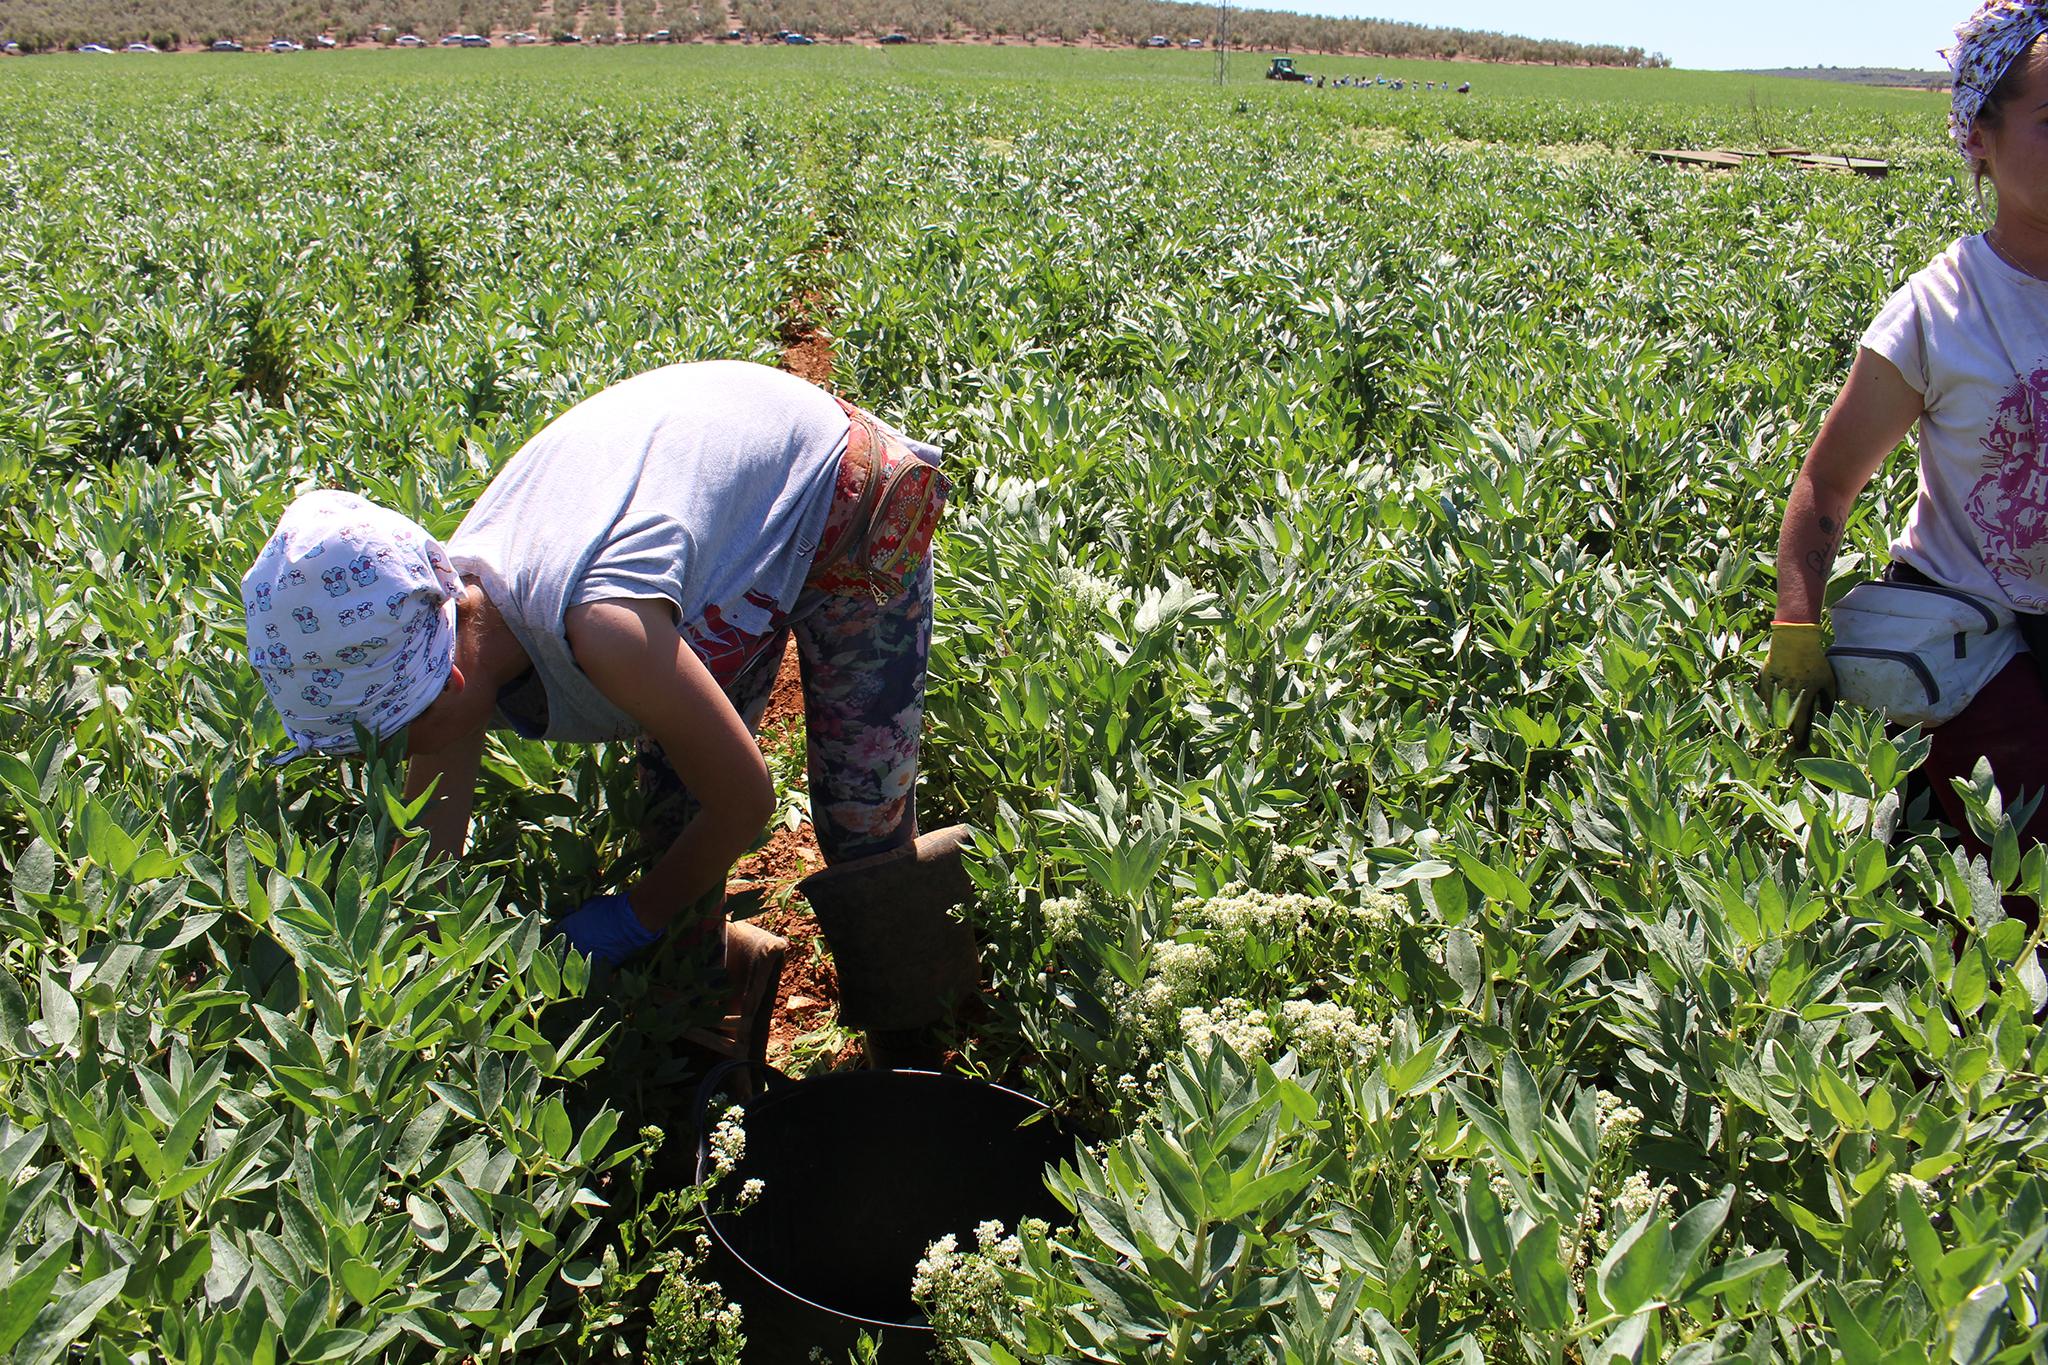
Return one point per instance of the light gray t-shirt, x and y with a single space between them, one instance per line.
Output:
703 485
1970 334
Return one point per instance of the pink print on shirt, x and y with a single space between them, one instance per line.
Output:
2009 505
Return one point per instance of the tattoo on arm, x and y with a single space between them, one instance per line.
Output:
1821 558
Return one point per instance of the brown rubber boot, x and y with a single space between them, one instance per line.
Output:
904 962
753 963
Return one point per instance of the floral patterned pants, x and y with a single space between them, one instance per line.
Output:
862 644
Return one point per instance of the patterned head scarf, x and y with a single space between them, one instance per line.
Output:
351 612
1985 46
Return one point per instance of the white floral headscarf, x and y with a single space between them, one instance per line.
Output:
351 611
1985 46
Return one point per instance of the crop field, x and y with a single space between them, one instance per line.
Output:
1348 618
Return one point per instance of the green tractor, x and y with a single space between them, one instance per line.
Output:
1282 69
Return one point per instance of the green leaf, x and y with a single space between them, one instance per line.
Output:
1542 1289
14 1035
1978 1325
227 1270
26 1295
106 843
1638 1265
596 1134
1923 1244
306 1315
60 1013
35 873
1720 1279
429 1224
183 1269
418 1139
1693 1233
1521 1103
1461 959
557 1134
18 775
1966 986
1852 1338
1487 1226
1622 1343
1833 773
362 1281
61 1323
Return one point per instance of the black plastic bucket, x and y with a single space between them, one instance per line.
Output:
861 1171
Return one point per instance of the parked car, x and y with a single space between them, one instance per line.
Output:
1159 40
95 49
140 47
475 40
323 41
284 45
451 40
410 40
10 49
566 37
224 45
521 39
799 40
1192 43
890 39
737 35
660 35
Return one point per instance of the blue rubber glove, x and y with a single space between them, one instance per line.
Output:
605 930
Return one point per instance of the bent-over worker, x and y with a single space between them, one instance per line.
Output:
633 572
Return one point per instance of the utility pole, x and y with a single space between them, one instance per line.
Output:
1222 41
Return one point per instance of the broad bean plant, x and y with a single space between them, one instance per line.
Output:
1347 619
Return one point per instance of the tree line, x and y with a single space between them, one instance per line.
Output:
55 25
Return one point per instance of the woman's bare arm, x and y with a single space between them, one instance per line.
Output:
1871 415
446 818
632 651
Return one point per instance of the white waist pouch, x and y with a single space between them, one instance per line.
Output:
1918 652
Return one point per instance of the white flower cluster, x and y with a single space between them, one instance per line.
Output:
1899 1180
1066 918
1091 592
961 1291
1234 1021
729 1140
1237 911
1322 1031
1618 1122
1181 974
1635 1198
1379 911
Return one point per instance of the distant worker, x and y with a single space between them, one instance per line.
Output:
1465 89
1961 351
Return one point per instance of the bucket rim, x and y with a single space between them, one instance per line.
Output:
712 1215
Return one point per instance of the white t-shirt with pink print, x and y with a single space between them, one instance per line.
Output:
1970 334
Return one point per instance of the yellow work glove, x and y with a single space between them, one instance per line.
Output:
1798 666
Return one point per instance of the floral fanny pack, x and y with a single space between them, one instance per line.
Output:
884 511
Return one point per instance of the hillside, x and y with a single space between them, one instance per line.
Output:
1890 77
57 25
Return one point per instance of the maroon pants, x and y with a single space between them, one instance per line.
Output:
2007 723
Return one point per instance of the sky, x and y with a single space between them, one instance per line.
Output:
1723 35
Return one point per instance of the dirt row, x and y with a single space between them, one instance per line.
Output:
808 998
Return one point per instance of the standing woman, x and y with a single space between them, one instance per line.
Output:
633 573
1962 350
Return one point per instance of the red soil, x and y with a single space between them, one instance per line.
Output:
809 994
